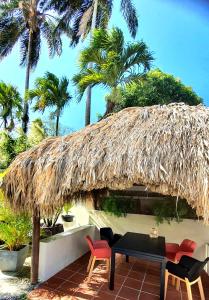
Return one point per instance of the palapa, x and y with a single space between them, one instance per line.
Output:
165 148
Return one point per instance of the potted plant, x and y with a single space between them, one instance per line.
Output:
50 226
15 232
67 217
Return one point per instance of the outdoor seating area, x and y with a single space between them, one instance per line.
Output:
136 279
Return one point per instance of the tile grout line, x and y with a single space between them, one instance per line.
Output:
145 273
117 295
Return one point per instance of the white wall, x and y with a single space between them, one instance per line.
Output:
175 233
60 250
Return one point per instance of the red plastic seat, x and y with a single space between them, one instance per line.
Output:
100 250
174 251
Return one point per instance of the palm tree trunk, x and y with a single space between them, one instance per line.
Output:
88 97
25 117
57 124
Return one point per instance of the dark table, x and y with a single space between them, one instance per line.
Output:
141 246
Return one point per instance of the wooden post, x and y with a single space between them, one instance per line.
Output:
35 246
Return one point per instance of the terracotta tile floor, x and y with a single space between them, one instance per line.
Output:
136 280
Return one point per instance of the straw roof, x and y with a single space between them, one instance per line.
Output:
165 148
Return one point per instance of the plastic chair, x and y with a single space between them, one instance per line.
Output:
187 270
100 251
174 252
107 234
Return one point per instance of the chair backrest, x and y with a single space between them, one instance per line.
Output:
188 246
106 233
90 243
196 269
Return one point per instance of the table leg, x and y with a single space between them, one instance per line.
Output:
127 258
112 272
162 279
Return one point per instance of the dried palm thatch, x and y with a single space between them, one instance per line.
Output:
166 148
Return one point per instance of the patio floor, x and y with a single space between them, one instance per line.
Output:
136 280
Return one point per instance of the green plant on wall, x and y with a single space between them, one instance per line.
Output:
116 207
170 210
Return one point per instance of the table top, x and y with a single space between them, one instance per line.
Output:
141 243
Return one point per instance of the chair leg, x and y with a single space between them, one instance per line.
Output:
91 269
202 295
189 291
89 264
173 281
178 284
166 283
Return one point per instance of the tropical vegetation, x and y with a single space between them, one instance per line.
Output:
50 91
114 63
156 87
10 106
28 22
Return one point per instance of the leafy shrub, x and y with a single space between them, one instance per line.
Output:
15 230
169 210
115 206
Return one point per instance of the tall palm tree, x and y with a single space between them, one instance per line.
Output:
28 22
86 15
10 105
114 63
50 91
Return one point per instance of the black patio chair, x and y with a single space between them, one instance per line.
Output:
187 270
107 234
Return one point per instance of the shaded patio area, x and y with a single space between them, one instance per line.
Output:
136 280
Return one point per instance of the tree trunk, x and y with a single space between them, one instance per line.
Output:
35 246
57 125
88 97
5 124
88 106
25 117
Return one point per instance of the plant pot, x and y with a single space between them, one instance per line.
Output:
49 231
12 261
68 218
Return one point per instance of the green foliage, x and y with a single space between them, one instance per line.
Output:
115 207
10 105
7 149
169 210
20 18
50 91
15 229
113 62
67 207
80 13
156 88
12 145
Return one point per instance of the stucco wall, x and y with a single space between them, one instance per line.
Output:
60 250
176 232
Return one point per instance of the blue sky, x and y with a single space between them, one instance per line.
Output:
176 31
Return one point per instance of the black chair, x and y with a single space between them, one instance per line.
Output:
187 270
107 234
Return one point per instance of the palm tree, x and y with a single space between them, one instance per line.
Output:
86 15
10 105
50 91
28 22
114 63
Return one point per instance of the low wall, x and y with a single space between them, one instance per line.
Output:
175 233
60 250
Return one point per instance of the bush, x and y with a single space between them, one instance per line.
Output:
15 229
115 206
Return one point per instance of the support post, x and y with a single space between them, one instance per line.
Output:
35 246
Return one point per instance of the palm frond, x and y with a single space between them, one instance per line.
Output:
129 12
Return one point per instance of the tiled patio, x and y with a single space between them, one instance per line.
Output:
136 280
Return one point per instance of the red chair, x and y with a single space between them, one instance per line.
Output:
100 250
174 252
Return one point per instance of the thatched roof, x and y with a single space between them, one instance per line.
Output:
165 148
